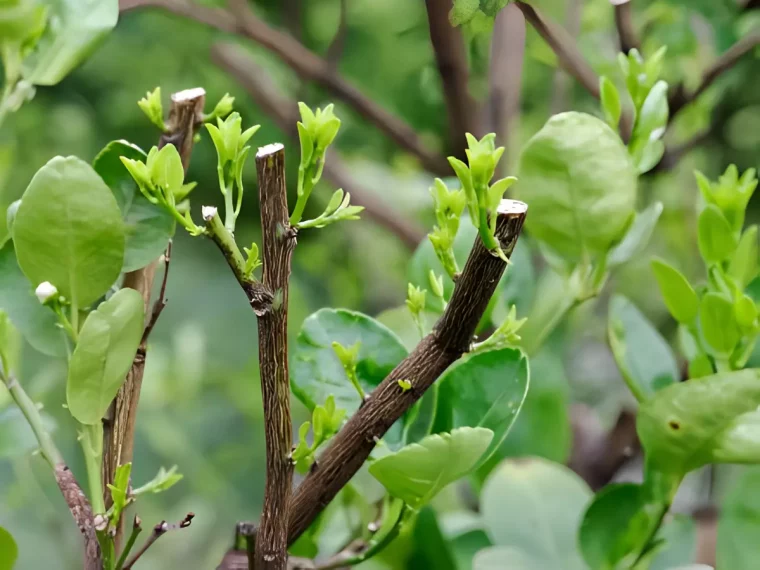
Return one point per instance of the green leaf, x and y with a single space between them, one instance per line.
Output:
148 227
610 99
120 489
484 390
680 537
68 231
581 185
718 324
316 371
547 496
716 239
636 240
419 471
463 11
642 354
8 550
705 420
739 524
166 169
431 549
653 117
501 557
164 479
614 526
744 267
678 294
36 323
77 27
106 347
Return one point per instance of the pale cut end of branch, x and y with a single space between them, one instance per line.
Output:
208 213
508 206
269 149
188 94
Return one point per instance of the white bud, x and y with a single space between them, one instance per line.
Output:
45 291
208 213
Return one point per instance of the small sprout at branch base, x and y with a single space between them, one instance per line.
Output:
165 479
504 336
415 301
252 261
222 109
153 109
325 423
337 209
436 284
349 358
449 206
405 385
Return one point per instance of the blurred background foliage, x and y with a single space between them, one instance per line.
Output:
200 405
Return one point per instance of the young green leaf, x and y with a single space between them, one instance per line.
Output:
120 490
744 263
37 323
148 227
8 550
164 479
153 108
484 390
637 238
642 355
704 420
418 472
610 99
106 347
716 239
718 324
68 231
581 185
678 294
548 496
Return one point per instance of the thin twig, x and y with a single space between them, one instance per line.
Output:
284 112
451 58
158 531
561 86
136 530
338 43
451 337
624 23
241 20
160 303
119 424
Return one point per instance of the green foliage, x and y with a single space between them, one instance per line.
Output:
637 238
8 550
147 226
497 557
163 481
739 523
418 472
464 11
68 231
484 390
449 206
337 209
153 108
326 421
730 194
642 355
104 352
679 296
581 186
119 491
549 497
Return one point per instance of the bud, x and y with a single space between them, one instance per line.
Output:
208 212
45 291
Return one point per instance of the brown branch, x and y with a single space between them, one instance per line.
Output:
81 510
451 58
624 24
751 5
561 87
120 421
568 54
158 531
284 112
160 304
338 44
308 65
450 338
679 97
278 240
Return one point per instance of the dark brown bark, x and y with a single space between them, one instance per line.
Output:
450 338
81 510
284 112
451 59
626 31
278 240
119 425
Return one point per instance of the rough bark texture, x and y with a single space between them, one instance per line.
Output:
278 240
119 424
450 338
82 512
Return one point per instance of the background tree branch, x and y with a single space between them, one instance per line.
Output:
629 39
451 337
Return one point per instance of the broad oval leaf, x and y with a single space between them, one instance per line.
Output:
614 526
739 524
637 238
704 420
77 27
679 296
148 227
484 390
105 349
501 557
36 323
8 550
744 263
68 231
580 182
718 325
644 358
716 238
419 471
550 500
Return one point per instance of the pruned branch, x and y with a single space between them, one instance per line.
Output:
629 39
278 240
158 531
451 58
451 337
679 97
240 20
284 112
119 424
